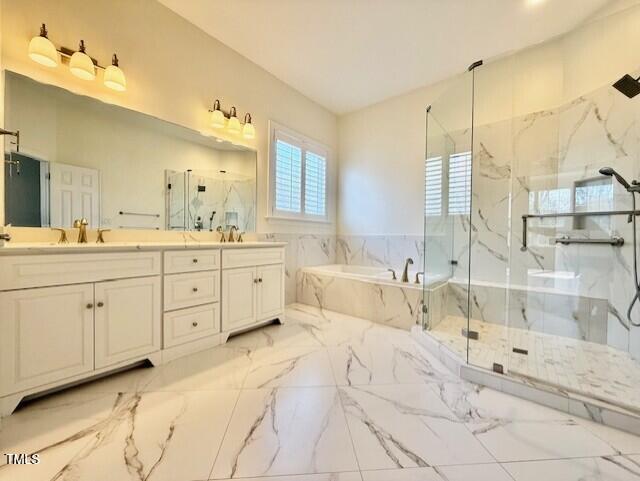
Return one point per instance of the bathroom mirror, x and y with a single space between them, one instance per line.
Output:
120 169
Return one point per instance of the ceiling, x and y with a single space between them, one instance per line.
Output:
347 54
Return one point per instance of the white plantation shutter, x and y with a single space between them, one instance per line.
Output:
460 184
288 177
298 173
315 179
433 187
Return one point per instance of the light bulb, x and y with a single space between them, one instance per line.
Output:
81 64
114 77
218 120
42 50
233 125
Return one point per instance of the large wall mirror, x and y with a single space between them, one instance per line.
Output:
120 169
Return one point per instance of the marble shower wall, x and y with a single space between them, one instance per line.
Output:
303 250
535 164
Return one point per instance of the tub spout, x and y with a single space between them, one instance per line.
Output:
393 274
405 272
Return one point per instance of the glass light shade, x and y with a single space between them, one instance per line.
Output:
42 50
82 67
114 78
234 125
249 131
218 121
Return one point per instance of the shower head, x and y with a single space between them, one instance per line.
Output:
610 172
628 86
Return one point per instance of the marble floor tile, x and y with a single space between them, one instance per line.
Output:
403 426
217 368
289 366
608 468
144 436
290 333
519 430
474 472
409 474
286 431
354 476
385 362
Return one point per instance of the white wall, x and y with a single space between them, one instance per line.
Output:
381 147
174 72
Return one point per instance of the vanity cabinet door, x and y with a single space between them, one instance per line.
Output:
128 319
270 291
46 335
239 303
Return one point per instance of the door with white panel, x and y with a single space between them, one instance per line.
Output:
128 319
75 193
239 304
46 335
270 291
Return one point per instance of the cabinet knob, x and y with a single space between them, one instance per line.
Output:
194 324
195 261
89 306
100 304
255 281
195 289
260 279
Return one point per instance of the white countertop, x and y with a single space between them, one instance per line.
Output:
17 248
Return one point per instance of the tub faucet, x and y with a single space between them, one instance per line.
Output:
81 225
405 272
393 274
418 274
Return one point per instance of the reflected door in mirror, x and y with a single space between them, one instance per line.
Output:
75 194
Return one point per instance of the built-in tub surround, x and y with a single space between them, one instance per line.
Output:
370 293
73 311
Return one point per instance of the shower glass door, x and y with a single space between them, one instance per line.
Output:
447 228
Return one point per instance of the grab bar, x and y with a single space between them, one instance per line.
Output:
526 217
139 213
616 241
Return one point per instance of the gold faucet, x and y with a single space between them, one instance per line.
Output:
63 235
100 239
81 224
405 273
232 229
221 232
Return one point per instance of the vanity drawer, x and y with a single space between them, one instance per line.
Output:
191 260
232 258
190 324
19 272
187 290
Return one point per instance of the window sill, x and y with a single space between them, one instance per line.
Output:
279 218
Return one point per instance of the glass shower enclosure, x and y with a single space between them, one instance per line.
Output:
528 248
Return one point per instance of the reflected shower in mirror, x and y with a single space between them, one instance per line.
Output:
120 169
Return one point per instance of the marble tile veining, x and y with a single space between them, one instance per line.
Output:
324 397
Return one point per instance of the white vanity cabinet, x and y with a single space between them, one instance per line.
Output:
252 287
127 319
65 317
45 335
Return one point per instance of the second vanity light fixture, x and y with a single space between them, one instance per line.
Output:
44 52
230 121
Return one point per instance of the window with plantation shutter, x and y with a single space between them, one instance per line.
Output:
433 187
288 188
460 184
315 179
298 173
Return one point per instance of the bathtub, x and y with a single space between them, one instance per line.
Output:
370 293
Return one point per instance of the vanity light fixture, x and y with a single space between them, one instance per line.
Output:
218 119
81 64
234 124
248 131
223 120
44 52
